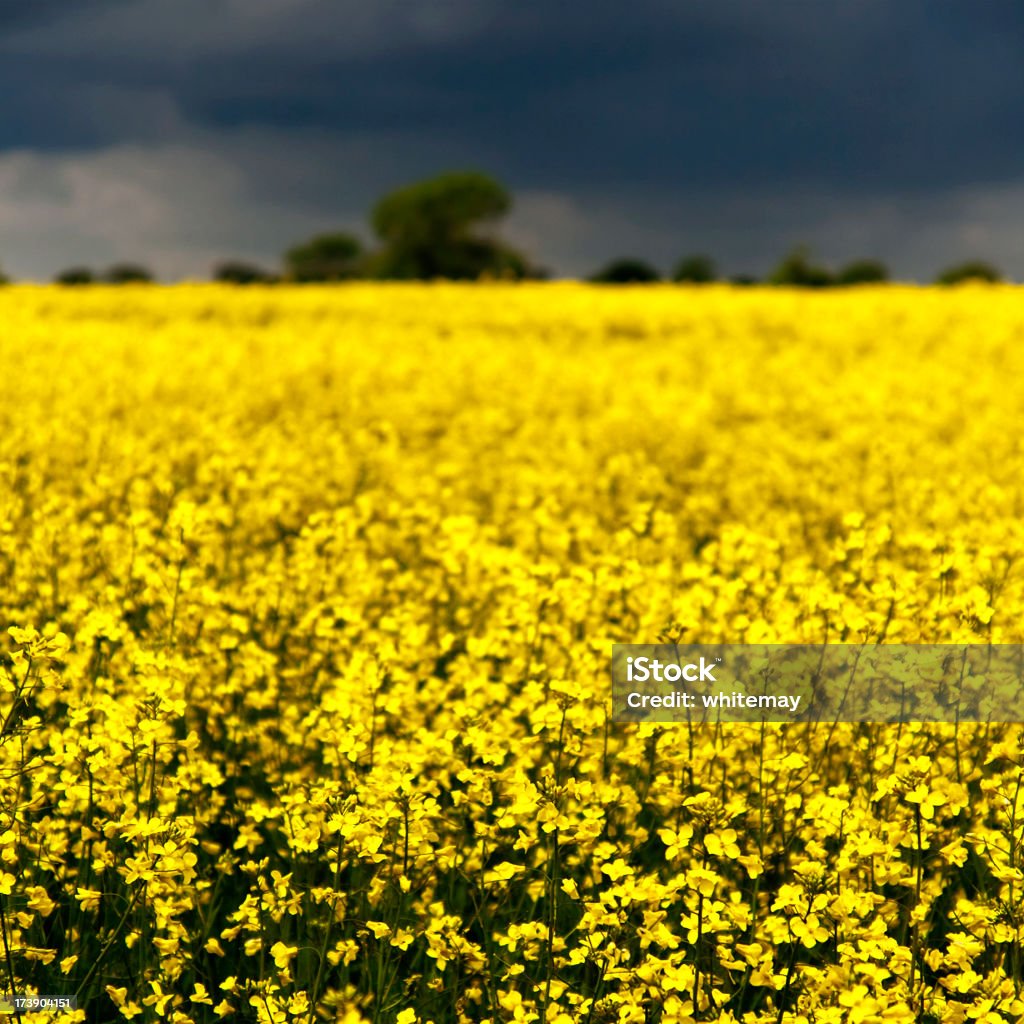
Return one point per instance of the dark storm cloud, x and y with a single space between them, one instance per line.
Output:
15 13
909 94
651 104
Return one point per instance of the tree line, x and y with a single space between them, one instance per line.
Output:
441 228
444 228
796 269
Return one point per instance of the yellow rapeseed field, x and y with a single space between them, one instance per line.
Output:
304 703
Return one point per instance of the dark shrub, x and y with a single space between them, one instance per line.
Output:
240 272
626 271
128 273
337 256
972 270
695 270
863 272
76 275
796 270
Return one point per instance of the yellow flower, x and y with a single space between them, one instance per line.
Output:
503 872
283 955
200 995
722 843
311 594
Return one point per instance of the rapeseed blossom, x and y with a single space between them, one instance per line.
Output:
309 596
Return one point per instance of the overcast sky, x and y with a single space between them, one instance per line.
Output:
182 132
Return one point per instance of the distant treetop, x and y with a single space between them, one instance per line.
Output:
626 271
127 273
336 256
697 269
76 275
863 272
240 272
971 270
796 269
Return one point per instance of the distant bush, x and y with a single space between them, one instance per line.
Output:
796 270
626 271
743 279
972 270
240 272
76 275
336 256
696 269
863 272
127 273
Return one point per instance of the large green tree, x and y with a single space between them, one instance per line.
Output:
442 228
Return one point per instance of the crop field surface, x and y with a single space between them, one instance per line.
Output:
305 700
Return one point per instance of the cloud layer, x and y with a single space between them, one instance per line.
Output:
183 132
